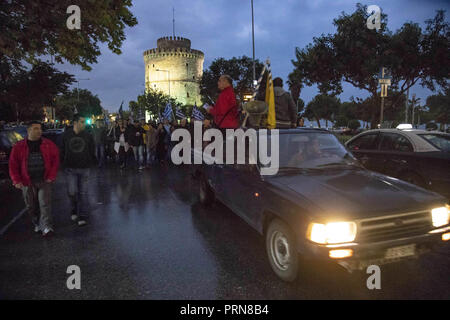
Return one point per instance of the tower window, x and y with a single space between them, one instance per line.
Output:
188 94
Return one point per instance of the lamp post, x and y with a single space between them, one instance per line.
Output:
78 83
168 77
253 44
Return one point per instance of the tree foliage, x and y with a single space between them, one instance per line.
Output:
24 92
355 54
322 107
34 28
439 106
87 104
239 69
153 101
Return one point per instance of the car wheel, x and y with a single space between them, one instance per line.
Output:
414 178
281 249
206 194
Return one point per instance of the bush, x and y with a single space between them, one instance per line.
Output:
354 124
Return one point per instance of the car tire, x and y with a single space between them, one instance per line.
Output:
413 178
281 248
206 194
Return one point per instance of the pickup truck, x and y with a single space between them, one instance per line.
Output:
322 204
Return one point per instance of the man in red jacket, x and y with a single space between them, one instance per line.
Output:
33 166
225 110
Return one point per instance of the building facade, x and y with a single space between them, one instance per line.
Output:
175 69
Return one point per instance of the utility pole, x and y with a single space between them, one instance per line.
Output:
253 43
406 106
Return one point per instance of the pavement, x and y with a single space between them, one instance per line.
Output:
149 238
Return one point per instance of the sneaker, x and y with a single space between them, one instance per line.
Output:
37 229
82 222
47 232
74 217
141 167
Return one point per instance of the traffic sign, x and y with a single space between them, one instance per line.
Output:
384 89
384 81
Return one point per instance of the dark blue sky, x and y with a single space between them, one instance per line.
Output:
223 29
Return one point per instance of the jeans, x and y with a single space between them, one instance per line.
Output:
100 154
37 199
151 155
77 189
138 152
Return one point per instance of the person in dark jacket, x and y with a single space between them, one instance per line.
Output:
136 141
33 166
285 108
78 152
121 144
225 111
99 134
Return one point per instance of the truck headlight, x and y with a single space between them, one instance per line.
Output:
333 232
440 216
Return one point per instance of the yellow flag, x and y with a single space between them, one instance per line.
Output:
270 100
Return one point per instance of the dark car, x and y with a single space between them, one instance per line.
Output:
323 205
54 135
417 156
8 138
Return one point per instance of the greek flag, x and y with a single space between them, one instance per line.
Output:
179 113
167 114
197 114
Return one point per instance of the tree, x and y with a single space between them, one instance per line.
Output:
34 28
87 104
239 69
153 101
439 107
323 107
25 92
355 54
354 124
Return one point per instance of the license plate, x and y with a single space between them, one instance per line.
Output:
402 251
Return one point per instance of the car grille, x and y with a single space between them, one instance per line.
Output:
394 227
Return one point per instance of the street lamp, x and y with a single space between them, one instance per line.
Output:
253 43
168 77
78 91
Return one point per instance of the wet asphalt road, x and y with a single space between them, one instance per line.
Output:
148 238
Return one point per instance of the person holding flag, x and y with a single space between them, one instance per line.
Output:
225 111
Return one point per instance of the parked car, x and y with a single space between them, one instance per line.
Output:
54 135
8 138
323 205
416 156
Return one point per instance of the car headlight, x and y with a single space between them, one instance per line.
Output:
333 232
440 216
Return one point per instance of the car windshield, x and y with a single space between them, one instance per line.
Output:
440 141
313 151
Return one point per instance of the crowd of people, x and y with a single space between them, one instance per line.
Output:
34 161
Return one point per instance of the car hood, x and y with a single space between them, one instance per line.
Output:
354 193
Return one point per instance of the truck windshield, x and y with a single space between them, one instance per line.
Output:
313 151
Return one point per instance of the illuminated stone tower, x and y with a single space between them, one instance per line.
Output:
175 69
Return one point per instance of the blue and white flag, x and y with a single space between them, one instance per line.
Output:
197 114
167 114
121 111
179 113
